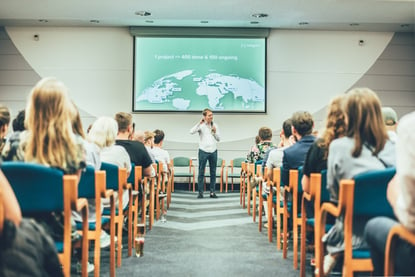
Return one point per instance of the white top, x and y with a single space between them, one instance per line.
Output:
117 155
275 157
405 173
207 139
161 155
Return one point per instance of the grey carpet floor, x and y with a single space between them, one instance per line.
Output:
205 237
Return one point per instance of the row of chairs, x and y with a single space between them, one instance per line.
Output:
43 189
183 167
363 196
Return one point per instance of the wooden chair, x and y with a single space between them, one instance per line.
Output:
249 173
42 189
92 186
318 194
398 231
233 170
183 168
262 197
243 184
363 196
116 179
257 191
220 165
135 178
295 189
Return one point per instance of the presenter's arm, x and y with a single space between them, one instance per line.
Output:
216 133
196 128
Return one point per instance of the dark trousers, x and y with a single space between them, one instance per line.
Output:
204 157
376 233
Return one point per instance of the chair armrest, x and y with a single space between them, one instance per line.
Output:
395 232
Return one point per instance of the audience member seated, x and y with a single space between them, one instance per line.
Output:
49 140
103 133
13 141
390 118
161 154
257 153
294 156
4 124
316 158
139 136
401 196
149 143
365 147
275 156
136 150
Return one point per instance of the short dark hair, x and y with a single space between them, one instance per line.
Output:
158 136
303 122
265 133
18 122
286 127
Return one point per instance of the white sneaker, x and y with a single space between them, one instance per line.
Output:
328 265
90 267
105 239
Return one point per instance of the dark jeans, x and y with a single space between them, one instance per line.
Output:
203 158
376 233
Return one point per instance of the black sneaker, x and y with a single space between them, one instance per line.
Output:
213 195
200 195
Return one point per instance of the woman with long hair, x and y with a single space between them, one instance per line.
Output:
365 147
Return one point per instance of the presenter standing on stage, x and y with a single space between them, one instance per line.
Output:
208 137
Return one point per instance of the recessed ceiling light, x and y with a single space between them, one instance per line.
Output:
94 21
204 21
259 15
354 24
143 13
303 23
254 22
43 20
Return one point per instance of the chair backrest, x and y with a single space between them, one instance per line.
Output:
112 180
324 192
33 184
86 186
237 162
370 193
131 177
181 161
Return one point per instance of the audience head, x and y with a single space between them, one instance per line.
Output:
149 138
257 139
265 134
103 132
139 136
364 120
302 124
335 122
18 122
125 122
77 123
49 123
390 118
286 128
158 136
4 121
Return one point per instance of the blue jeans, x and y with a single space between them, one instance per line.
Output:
376 234
203 158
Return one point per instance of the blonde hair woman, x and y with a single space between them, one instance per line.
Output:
49 139
103 133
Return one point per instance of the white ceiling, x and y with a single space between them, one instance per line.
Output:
360 15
